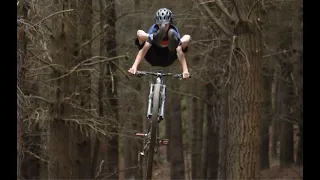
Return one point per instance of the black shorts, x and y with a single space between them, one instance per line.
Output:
159 56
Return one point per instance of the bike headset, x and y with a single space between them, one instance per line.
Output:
163 16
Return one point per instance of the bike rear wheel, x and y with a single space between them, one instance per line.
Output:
153 129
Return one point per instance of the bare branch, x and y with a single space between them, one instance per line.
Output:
239 13
131 12
121 70
83 63
251 9
230 58
98 34
216 20
109 175
207 2
220 4
276 53
189 95
41 98
59 12
100 168
36 156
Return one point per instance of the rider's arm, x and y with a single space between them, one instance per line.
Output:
182 59
142 52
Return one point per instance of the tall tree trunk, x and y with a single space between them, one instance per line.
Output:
297 71
212 133
194 155
84 82
286 129
200 108
274 124
167 122
111 88
61 164
176 144
206 142
223 132
22 50
97 84
30 166
245 99
127 154
135 145
286 143
265 120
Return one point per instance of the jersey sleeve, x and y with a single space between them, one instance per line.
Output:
151 30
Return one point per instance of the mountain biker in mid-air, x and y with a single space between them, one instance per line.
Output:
162 45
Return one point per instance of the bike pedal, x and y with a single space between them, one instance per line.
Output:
141 134
160 119
164 141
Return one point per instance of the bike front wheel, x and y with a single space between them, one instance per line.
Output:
153 129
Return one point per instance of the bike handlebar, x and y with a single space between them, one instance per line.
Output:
159 74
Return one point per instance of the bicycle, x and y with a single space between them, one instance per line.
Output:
155 114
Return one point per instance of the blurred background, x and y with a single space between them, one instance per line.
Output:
239 116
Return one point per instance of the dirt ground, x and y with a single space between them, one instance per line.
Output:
162 171
294 172
274 172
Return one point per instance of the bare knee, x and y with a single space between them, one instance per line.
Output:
139 33
142 36
186 38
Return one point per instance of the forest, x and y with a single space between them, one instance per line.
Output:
239 116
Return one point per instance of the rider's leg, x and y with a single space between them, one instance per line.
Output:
175 40
154 34
185 40
142 36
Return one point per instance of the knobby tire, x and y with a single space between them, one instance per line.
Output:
154 126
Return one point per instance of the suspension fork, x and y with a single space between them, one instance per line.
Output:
149 112
162 99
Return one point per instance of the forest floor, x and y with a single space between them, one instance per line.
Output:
274 172
162 169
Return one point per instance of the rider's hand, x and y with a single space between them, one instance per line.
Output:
185 74
132 70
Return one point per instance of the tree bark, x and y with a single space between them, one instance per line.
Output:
274 124
83 142
22 50
200 108
265 120
194 155
285 106
62 158
212 133
97 84
286 131
223 132
297 72
243 159
111 88
176 144
167 122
